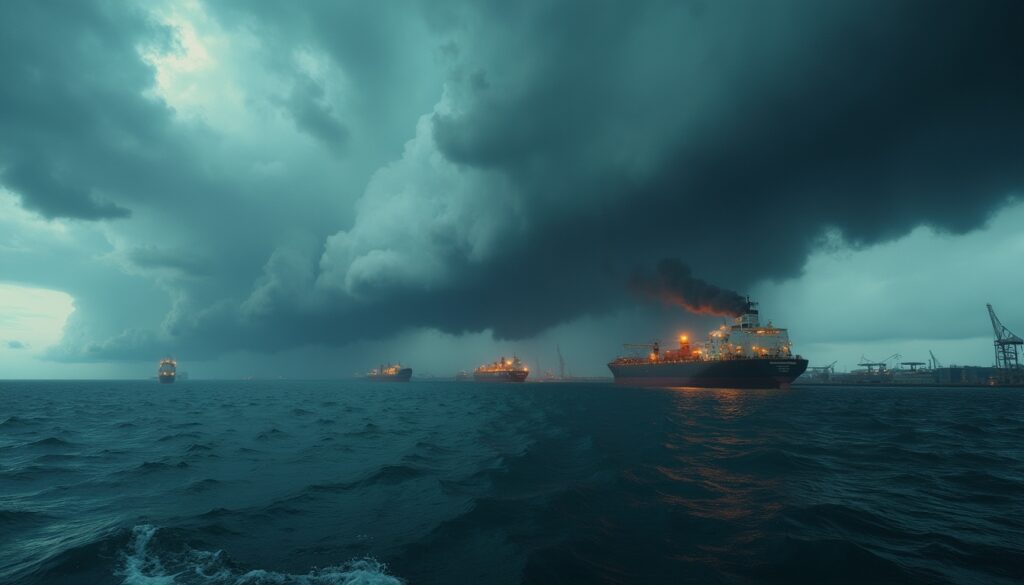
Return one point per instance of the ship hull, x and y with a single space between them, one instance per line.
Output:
403 375
511 376
166 379
739 373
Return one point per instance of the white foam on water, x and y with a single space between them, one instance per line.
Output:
140 567
143 565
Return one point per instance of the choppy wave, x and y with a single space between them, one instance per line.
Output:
155 466
280 482
178 436
9 519
274 433
50 442
146 562
17 422
388 475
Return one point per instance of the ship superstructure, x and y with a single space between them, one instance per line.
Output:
744 355
503 370
390 373
167 372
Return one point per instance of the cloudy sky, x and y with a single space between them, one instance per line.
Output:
308 189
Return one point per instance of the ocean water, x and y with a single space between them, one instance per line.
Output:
208 482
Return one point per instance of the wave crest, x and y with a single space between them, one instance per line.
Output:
145 563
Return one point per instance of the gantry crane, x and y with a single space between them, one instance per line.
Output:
829 369
1006 344
882 365
824 372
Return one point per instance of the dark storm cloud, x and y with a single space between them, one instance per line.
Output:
732 138
86 133
72 125
573 145
46 194
314 115
179 261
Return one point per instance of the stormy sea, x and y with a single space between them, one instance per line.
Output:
218 482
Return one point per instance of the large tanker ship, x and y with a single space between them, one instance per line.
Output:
168 371
390 373
503 370
745 355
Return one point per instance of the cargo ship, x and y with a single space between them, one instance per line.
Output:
390 373
168 371
744 355
503 370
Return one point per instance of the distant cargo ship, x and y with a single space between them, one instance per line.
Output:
168 371
503 370
745 355
390 373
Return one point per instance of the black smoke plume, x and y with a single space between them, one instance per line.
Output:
673 282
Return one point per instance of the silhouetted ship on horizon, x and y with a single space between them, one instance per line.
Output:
167 372
745 355
503 370
390 373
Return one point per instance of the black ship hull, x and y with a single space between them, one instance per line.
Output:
503 376
166 379
737 373
403 375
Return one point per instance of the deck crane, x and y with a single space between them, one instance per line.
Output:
652 347
1006 344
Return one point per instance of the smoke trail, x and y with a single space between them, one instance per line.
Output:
673 282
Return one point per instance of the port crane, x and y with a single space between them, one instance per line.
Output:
824 372
561 362
882 365
935 361
872 365
1006 344
830 369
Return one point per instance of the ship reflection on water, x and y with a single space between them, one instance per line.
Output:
726 403
710 463
713 486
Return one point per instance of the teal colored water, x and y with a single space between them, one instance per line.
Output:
348 482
